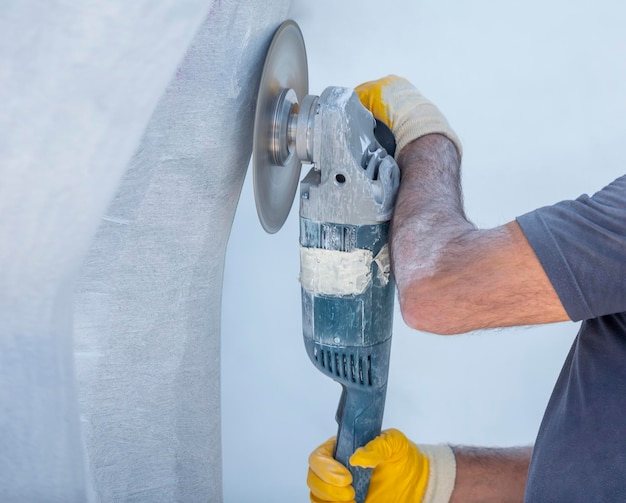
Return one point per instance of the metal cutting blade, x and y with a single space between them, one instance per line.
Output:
276 181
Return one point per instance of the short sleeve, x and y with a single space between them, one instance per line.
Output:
581 245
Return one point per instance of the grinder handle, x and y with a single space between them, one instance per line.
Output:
359 417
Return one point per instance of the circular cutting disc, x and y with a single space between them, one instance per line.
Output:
275 184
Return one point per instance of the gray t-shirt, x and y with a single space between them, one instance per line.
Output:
580 452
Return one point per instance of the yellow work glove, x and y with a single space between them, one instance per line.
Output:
396 102
403 472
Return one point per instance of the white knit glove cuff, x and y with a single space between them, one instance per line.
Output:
415 116
442 473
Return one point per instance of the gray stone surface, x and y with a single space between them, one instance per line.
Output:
80 85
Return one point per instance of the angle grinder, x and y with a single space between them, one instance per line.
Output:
346 203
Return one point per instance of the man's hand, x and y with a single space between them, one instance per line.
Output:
451 276
400 472
405 472
397 103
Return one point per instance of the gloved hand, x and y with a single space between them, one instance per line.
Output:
396 102
403 472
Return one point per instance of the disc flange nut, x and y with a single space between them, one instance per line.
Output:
282 136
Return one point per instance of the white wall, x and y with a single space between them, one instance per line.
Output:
535 90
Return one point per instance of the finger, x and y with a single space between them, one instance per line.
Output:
371 96
388 444
324 491
329 470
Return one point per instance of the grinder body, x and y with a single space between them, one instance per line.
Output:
346 202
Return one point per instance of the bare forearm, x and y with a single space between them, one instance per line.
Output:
451 276
428 219
490 475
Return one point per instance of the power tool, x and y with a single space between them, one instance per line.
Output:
346 203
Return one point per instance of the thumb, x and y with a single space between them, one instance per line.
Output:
388 445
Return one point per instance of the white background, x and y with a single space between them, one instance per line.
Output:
535 89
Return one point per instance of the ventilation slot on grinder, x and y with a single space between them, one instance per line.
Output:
349 367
